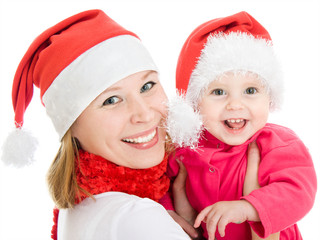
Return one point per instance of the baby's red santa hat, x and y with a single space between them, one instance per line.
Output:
72 63
236 43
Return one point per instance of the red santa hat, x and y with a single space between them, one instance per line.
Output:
235 43
72 63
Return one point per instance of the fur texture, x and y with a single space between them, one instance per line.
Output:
184 124
236 51
19 148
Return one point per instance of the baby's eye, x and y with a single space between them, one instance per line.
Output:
111 101
251 90
146 87
218 92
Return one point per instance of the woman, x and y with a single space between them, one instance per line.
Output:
101 90
73 63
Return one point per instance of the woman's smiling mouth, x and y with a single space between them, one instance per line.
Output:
141 139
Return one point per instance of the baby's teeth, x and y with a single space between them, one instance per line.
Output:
235 120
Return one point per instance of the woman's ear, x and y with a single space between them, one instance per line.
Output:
73 129
76 142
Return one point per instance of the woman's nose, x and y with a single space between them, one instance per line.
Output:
141 111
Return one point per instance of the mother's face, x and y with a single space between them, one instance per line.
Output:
124 123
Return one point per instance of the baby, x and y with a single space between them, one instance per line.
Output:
230 76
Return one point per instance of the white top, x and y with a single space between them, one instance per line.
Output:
118 216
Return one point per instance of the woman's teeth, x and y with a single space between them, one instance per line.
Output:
144 139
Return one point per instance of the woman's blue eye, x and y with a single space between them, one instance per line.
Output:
111 100
251 90
218 92
147 86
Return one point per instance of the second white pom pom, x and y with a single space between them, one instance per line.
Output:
184 124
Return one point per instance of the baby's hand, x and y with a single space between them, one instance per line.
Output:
224 212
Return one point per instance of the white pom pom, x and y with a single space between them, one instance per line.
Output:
184 124
19 148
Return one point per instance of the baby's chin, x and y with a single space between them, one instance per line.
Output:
236 143
234 140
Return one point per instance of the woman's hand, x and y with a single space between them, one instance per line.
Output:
253 161
181 202
187 227
251 181
185 214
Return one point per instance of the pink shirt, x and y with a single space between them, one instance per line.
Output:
216 172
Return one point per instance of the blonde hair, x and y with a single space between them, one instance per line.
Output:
61 176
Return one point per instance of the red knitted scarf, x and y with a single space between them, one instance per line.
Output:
98 175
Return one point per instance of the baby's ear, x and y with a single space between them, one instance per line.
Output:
272 106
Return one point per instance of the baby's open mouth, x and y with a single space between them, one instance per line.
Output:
235 123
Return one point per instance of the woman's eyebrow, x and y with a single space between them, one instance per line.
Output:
117 88
147 74
111 89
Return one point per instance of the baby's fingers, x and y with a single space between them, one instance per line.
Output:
201 216
211 218
211 227
223 222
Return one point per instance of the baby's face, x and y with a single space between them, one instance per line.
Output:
234 107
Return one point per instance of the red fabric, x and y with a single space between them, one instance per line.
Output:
54 230
98 175
216 172
166 200
55 49
191 50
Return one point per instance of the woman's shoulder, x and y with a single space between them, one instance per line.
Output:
109 202
116 215
84 220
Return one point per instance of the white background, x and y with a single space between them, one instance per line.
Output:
163 26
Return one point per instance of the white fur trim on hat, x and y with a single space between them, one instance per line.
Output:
236 51
90 74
